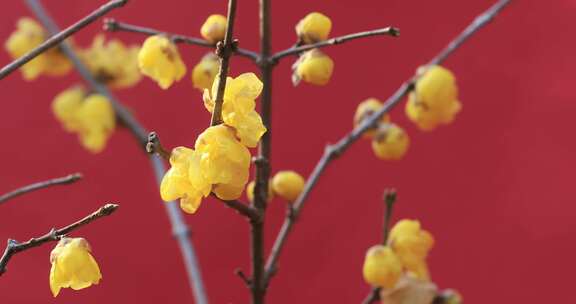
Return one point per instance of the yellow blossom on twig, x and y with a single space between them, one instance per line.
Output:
390 142
205 72
313 67
412 243
214 28
313 28
73 266
382 268
288 185
160 60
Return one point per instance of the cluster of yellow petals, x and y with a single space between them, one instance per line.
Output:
219 163
92 117
112 62
404 254
412 243
214 28
205 72
410 290
313 67
434 100
29 35
288 185
160 60
313 28
72 266
389 141
238 109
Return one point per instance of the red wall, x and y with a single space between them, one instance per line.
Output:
495 188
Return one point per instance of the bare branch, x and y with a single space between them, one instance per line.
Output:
243 209
60 36
69 179
179 228
224 50
112 25
14 247
388 31
333 151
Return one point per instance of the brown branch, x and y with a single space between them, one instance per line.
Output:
14 247
69 179
243 209
297 49
333 151
112 25
224 50
59 37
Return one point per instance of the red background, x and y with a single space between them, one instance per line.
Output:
495 188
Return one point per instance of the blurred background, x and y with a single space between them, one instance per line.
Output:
495 187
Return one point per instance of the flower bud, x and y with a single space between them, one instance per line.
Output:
288 185
390 142
364 110
381 267
160 60
205 72
214 28
313 67
313 28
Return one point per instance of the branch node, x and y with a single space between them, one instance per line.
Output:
110 25
154 146
243 276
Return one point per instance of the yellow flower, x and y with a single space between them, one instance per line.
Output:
29 35
435 98
313 28
238 109
412 244
72 266
410 290
313 67
92 117
364 110
224 162
381 267
176 183
219 164
250 191
288 185
160 60
112 62
390 142
214 28
205 72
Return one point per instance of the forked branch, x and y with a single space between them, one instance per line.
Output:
60 36
65 180
54 235
333 151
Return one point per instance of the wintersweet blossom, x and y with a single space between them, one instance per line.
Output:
313 67
238 109
313 28
214 28
160 60
382 268
411 244
73 266
390 141
364 110
111 62
288 185
27 36
205 72
434 100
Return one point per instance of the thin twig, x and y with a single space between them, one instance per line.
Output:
243 209
154 146
388 31
112 25
60 36
224 50
14 247
179 228
333 151
69 179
